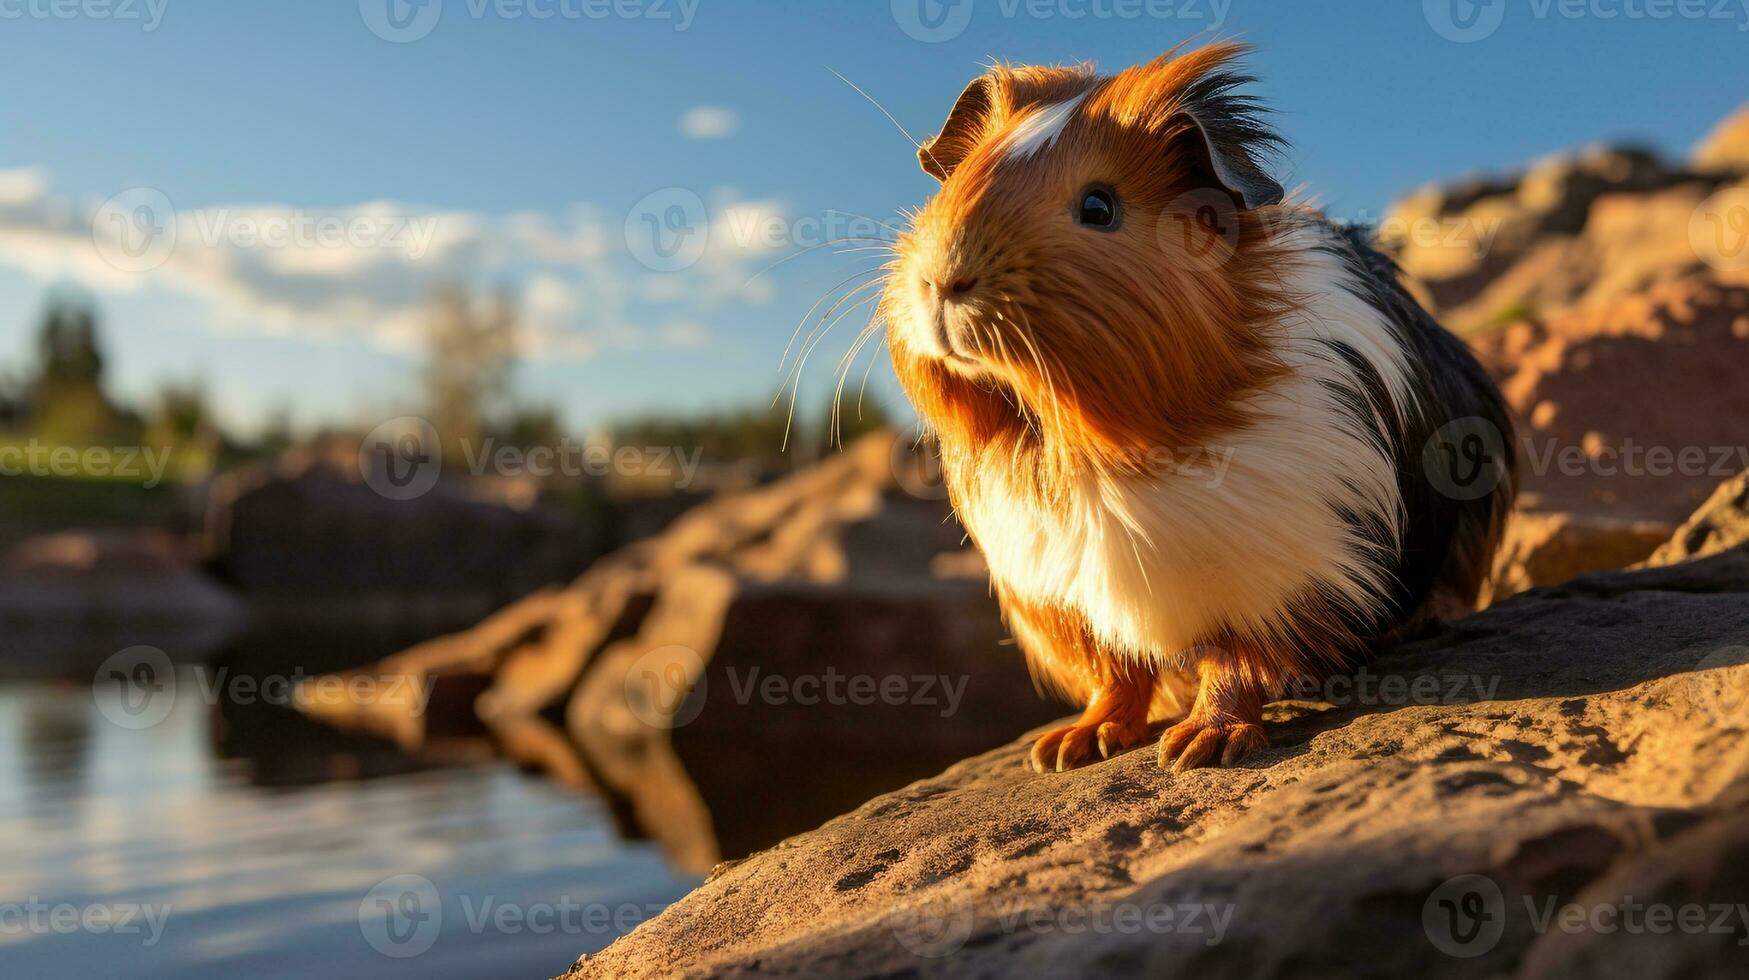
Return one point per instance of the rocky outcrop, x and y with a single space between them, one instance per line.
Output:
678 671
1722 523
1726 148
1628 416
1507 797
68 601
1634 410
1571 230
310 525
1616 327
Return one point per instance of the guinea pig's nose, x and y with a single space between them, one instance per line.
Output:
958 286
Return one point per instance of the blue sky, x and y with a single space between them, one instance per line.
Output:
521 145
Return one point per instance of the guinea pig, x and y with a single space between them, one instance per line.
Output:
1107 297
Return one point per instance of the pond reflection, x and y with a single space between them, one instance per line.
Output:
213 845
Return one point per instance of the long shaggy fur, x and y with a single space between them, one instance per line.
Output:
1070 373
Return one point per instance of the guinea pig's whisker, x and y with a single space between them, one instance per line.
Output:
845 364
808 350
862 389
890 117
827 321
798 253
827 295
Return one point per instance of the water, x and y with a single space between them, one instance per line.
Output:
200 848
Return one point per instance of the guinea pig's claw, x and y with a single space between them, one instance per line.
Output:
1065 748
1193 744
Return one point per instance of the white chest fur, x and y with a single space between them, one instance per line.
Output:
1223 540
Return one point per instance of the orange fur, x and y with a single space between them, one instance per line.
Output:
1072 367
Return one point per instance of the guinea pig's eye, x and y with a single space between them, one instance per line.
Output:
1098 209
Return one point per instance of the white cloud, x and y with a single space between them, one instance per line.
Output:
709 122
369 269
22 185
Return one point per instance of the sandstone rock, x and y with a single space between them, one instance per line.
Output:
740 590
1633 411
1722 523
1727 146
728 683
1544 548
1572 230
1579 745
308 526
70 600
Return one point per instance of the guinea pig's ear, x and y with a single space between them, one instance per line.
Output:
1224 148
963 131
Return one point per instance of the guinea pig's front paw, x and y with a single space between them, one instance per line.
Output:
1071 746
1194 743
